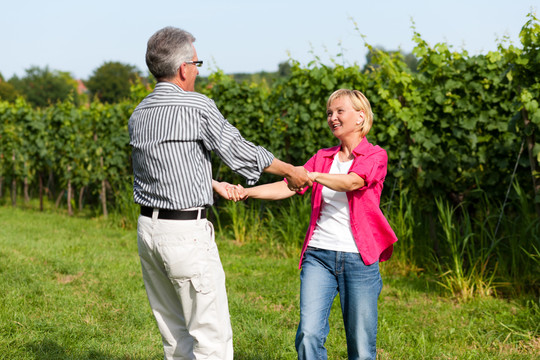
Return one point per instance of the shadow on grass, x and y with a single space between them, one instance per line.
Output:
243 356
50 350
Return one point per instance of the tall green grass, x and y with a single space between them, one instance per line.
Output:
124 212
464 271
244 222
483 249
287 223
280 225
410 251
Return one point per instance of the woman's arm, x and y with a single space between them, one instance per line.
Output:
275 191
338 182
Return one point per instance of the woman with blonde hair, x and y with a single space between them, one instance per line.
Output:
347 235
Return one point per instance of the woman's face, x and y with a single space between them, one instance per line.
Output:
342 118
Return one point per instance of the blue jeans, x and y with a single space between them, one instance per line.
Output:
324 274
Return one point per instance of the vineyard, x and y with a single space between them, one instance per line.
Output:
460 131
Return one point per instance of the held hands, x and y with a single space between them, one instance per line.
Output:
229 191
313 176
298 179
236 192
221 188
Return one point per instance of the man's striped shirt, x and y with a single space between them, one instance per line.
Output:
172 132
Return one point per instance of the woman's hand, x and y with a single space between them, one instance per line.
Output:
221 188
229 191
313 176
236 192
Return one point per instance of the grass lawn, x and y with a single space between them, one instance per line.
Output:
71 288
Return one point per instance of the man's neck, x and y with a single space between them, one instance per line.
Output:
176 82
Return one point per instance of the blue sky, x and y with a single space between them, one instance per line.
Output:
244 35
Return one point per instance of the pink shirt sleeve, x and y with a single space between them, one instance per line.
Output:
310 164
372 168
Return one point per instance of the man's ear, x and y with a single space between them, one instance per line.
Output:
182 71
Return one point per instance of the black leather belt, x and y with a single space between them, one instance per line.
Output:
165 214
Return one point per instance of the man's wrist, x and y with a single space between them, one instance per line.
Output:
288 170
281 168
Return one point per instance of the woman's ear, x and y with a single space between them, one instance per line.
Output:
360 117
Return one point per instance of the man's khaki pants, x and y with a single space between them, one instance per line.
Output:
185 284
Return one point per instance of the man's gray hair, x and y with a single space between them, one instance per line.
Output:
167 49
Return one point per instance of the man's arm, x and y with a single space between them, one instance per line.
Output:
242 156
297 177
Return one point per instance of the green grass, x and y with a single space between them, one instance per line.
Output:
71 288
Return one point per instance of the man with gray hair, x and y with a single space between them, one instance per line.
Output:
172 133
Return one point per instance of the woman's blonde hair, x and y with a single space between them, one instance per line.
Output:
359 103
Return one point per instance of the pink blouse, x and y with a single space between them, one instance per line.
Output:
372 233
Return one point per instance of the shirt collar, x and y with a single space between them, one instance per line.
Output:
168 85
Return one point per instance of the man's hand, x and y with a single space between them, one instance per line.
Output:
296 176
298 179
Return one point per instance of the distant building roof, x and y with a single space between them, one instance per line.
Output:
81 88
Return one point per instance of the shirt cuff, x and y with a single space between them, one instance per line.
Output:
264 160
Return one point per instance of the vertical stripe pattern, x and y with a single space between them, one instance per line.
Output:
172 133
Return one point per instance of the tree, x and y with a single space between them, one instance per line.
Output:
284 69
111 82
42 87
7 91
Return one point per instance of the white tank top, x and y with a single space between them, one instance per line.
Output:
333 229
